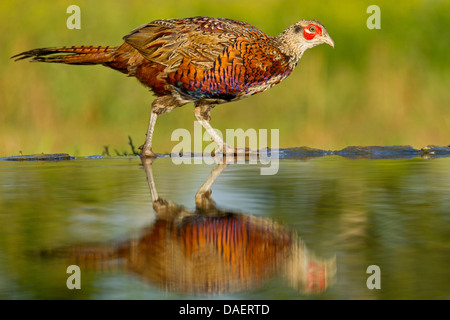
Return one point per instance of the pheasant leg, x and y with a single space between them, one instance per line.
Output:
202 114
147 151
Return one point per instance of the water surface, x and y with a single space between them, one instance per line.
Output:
358 212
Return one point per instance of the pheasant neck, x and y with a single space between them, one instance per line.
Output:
291 46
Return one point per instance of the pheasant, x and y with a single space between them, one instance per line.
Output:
207 61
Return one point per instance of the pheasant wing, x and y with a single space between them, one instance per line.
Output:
168 42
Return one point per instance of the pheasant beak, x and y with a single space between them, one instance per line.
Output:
327 39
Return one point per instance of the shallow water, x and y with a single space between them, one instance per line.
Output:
394 214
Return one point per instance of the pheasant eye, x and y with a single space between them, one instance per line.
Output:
312 29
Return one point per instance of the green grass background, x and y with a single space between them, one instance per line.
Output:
377 87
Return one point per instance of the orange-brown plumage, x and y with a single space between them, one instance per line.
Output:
204 60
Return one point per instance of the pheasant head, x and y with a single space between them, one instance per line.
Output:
300 36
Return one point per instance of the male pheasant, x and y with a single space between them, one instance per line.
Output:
207 61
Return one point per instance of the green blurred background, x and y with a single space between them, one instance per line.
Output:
377 87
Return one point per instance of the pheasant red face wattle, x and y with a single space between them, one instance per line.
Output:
311 31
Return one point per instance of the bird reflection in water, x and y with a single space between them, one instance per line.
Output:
209 250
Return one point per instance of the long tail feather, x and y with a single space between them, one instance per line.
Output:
72 55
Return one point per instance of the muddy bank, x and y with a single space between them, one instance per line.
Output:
351 152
